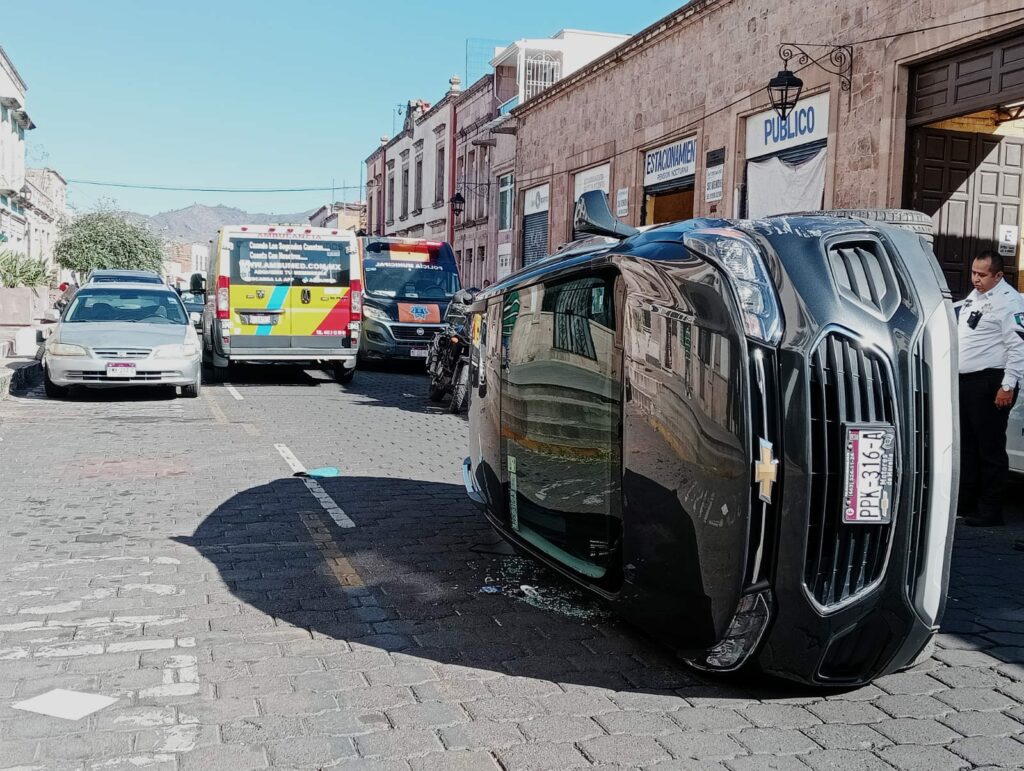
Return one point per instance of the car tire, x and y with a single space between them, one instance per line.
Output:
915 221
192 391
52 390
435 393
460 393
343 374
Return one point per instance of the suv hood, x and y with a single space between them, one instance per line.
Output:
113 334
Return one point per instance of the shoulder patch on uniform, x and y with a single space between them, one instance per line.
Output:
1019 319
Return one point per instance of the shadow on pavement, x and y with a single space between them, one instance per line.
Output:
423 555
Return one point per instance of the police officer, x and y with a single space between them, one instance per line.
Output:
990 330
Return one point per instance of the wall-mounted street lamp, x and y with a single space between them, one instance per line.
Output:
784 89
458 204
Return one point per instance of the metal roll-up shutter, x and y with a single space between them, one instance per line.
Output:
683 183
800 153
535 237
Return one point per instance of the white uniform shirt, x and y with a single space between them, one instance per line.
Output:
997 341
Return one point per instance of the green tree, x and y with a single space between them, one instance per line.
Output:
107 239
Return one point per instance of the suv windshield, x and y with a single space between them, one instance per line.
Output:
126 305
410 270
409 280
295 261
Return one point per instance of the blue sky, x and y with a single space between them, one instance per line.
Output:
226 93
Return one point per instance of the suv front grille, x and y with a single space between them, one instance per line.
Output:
849 384
863 274
122 353
409 333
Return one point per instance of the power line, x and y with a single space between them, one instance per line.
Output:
133 186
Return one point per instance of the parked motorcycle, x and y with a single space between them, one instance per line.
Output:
448 356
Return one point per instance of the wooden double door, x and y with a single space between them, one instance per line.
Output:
969 184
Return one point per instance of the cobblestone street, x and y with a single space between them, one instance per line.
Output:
161 552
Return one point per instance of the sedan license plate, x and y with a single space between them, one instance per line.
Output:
120 369
867 483
419 353
260 319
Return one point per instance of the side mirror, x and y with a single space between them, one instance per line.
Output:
196 319
594 216
197 284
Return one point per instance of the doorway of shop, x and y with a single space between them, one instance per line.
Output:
970 184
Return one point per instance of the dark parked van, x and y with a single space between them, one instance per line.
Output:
741 433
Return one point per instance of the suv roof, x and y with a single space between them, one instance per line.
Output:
124 276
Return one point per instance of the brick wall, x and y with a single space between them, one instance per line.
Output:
703 71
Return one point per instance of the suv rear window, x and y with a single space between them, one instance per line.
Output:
292 261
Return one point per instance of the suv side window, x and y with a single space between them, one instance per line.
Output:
561 413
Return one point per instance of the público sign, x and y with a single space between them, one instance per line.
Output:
767 133
669 162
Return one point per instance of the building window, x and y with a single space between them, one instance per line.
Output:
391 198
439 177
542 71
417 198
405 192
460 177
506 189
480 253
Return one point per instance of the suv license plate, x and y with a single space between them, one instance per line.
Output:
120 369
867 482
257 319
419 353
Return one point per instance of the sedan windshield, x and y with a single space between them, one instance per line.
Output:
126 305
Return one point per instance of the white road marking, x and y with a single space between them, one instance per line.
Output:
70 705
290 459
233 391
334 511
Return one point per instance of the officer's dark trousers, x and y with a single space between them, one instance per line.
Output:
984 465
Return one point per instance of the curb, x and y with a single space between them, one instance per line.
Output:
12 380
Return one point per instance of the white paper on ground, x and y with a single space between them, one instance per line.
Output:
70 705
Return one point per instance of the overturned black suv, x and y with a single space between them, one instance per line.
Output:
741 433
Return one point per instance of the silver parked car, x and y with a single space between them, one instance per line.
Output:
131 334
125 276
1015 438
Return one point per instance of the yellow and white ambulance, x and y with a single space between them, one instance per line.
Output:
289 294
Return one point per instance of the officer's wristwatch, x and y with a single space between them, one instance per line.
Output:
1006 388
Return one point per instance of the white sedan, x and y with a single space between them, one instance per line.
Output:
116 335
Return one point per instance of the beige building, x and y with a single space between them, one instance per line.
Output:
409 176
45 204
925 112
14 122
340 215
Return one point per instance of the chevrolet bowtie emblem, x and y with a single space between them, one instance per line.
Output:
766 471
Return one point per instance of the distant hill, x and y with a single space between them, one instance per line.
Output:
199 223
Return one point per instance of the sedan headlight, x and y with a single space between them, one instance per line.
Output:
66 349
741 260
175 351
375 313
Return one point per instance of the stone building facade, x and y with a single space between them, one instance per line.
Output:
675 122
474 249
409 179
46 212
14 122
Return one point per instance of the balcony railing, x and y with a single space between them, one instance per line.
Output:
510 105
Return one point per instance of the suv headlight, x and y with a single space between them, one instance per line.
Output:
742 262
175 351
374 313
66 349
